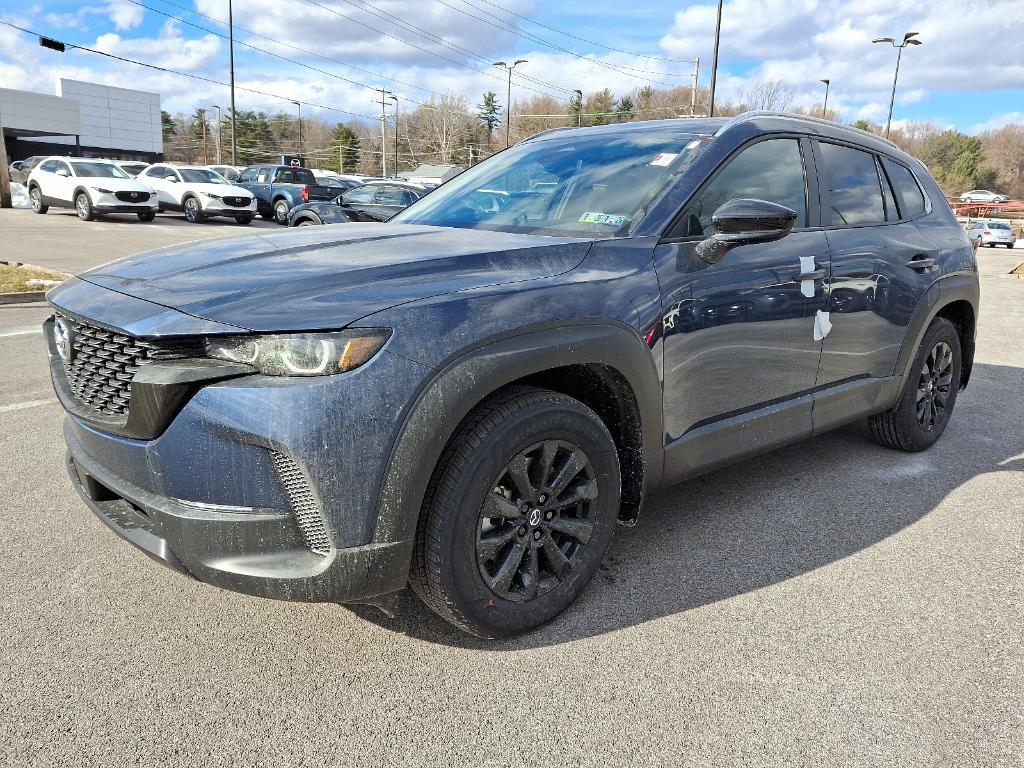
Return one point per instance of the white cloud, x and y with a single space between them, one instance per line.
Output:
123 14
169 49
997 121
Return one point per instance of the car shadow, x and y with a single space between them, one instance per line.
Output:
767 520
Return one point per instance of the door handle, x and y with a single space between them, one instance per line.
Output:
818 274
921 262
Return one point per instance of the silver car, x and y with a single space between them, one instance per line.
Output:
983 196
992 233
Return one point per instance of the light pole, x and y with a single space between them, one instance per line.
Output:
395 99
219 119
384 93
714 61
579 112
908 39
508 103
299 105
824 105
231 53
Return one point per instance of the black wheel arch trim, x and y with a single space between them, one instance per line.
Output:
959 286
464 380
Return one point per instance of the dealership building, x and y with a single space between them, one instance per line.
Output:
82 119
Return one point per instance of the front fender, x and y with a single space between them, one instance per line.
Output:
447 397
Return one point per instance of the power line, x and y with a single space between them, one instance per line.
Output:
170 71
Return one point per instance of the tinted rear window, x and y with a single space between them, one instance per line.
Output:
855 194
911 196
998 226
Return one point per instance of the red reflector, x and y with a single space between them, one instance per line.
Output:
986 233
305 195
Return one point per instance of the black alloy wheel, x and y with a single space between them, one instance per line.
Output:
533 525
934 386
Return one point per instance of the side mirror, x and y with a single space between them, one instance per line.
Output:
743 222
172 178
63 172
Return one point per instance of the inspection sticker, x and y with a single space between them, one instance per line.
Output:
602 218
664 158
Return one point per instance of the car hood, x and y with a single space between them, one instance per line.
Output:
114 184
315 278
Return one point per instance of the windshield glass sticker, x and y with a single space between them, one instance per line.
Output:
664 158
591 217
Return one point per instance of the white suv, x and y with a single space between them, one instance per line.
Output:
91 187
199 192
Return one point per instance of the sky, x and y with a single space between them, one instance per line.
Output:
968 73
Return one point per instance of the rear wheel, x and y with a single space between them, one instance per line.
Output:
35 197
929 393
193 211
83 207
519 513
281 209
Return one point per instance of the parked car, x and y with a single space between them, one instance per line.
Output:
199 192
469 400
992 233
20 169
373 201
90 187
337 184
279 188
229 172
982 196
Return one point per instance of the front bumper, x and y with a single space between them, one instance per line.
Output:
104 203
220 208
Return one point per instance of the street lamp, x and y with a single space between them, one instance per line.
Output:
824 105
395 99
508 103
219 119
714 61
579 112
299 105
910 38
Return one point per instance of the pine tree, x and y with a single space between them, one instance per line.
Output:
345 142
488 113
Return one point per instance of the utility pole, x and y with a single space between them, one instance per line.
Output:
231 54
5 179
508 103
220 121
693 92
395 99
299 105
714 60
579 112
202 112
384 92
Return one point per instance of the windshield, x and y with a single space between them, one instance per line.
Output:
201 176
596 185
99 170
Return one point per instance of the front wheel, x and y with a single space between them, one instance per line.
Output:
35 197
929 393
83 207
147 216
243 220
281 209
193 211
519 513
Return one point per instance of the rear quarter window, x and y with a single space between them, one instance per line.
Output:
912 201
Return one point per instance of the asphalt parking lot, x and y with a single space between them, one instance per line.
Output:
833 603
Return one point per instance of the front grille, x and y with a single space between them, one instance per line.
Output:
307 511
132 197
239 202
102 364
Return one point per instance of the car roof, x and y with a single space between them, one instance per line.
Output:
396 182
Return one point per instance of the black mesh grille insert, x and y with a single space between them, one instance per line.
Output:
132 197
240 202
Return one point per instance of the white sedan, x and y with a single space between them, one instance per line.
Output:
982 196
199 193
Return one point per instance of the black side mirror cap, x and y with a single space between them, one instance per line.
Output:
742 222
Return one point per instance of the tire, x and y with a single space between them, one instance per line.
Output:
933 384
193 210
474 569
83 207
147 216
281 209
306 223
35 196
267 216
243 220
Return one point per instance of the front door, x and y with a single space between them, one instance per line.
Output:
740 349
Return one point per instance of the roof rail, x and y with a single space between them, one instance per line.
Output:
745 116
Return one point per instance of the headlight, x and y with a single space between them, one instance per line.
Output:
210 195
104 191
301 354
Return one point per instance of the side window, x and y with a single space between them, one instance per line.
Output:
910 194
769 170
852 185
285 176
64 167
408 197
248 176
361 195
263 175
49 166
389 195
157 172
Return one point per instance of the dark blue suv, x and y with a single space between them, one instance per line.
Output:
470 397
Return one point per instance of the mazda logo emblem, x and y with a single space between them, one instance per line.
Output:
62 340
135 195
534 517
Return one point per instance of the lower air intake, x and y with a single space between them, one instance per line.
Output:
304 505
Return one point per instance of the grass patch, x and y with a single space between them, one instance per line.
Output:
15 279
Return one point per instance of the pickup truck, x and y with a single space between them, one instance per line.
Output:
279 188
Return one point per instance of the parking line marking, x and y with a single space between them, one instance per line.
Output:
21 332
26 404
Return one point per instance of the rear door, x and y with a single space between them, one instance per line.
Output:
874 285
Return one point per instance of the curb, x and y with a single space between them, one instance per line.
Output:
22 297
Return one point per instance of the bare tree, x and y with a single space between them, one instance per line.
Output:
768 94
445 123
